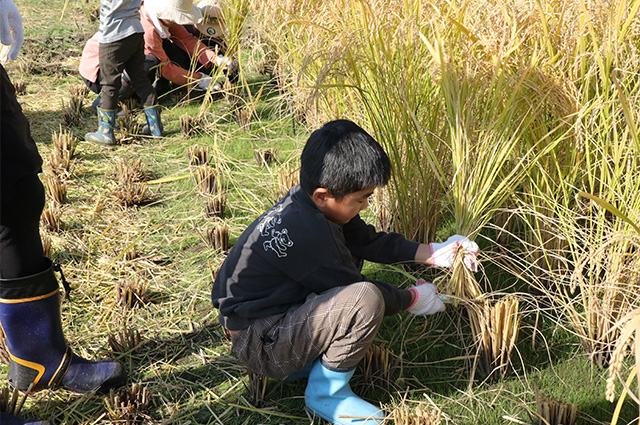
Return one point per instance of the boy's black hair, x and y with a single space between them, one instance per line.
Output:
343 158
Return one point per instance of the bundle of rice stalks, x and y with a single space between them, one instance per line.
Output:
131 293
495 329
25 65
189 125
198 155
379 365
62 153
72 112
265 157
50 218
129 126
206 180
56 186
130 175
216 205
21 87
257 389
129 405
287 178
218 237
124 341
405 414
552 411
461 283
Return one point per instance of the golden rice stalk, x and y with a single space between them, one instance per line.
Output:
206 179
129 405
198 155
462 283
131 293
495 329
381 202
218 237
50 218
124 341
287 178
379 364
63 150
629 337
257 389
131 252
420 414
265 157
129 170
56 186
187 125
552 411
216 205
21 87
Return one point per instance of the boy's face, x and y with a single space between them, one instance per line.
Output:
341 211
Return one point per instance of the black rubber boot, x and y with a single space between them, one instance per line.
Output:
7 419
30 318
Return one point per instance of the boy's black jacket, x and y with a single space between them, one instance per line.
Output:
291 251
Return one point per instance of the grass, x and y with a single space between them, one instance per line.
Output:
141 273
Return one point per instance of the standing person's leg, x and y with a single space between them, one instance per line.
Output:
111 67
29 290
331 331
135 67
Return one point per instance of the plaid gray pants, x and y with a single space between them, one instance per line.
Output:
337 326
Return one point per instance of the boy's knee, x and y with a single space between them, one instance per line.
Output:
369 298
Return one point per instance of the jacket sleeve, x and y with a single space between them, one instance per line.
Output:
192 45
380 247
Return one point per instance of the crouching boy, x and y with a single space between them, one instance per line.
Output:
290 293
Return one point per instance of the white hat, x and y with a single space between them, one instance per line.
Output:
181 12
212 24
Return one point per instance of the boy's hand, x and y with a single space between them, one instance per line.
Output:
443 254
11 35
425 299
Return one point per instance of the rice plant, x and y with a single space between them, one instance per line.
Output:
129 125
415 413
265 157
215 206
496 326
50 218
126 340
257 388
72 111
379 365
130 176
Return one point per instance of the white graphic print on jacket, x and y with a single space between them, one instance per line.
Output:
279 240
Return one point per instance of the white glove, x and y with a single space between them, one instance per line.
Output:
11 33
444 253
425 300
223 61
204 80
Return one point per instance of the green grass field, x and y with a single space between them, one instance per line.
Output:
182 360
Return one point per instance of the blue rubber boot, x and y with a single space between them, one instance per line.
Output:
106 122
154 124
30 318
329 396
7 419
